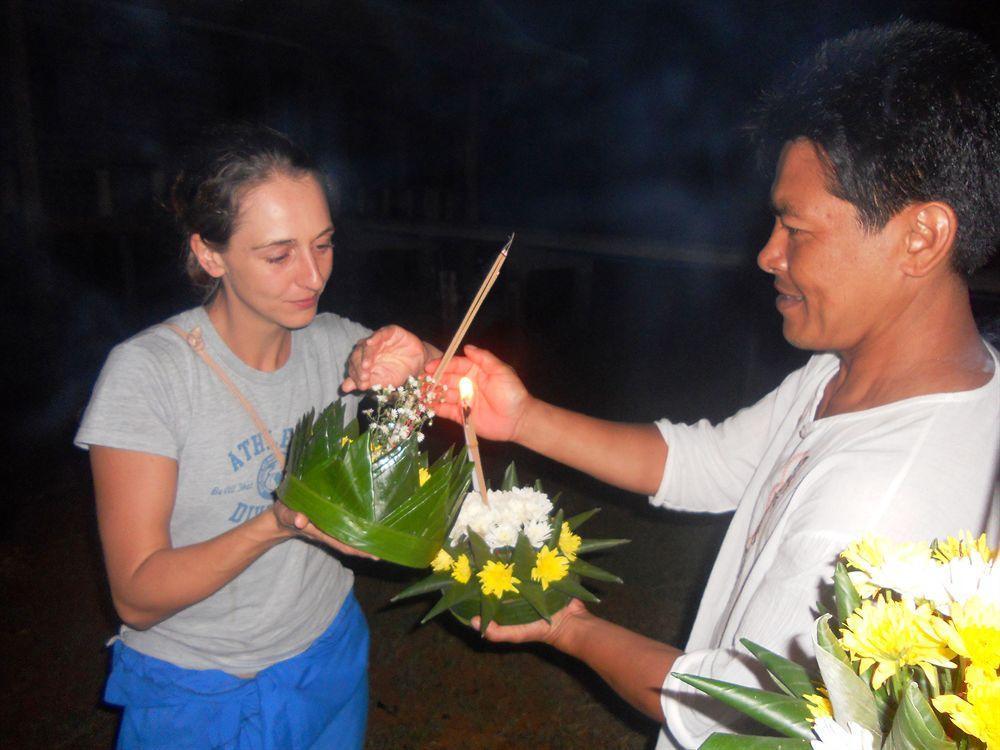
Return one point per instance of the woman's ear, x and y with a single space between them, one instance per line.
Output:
930 239
209 259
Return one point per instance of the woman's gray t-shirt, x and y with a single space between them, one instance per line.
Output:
156 395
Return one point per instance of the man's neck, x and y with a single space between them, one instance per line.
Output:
933 346
259 343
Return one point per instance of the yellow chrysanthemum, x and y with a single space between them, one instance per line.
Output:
569 542
873 553
423 475
443 561
345 440
819 707
963 546
893 634
979 714
496 578
461 571
549 566
974 632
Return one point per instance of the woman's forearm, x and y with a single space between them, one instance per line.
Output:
630 456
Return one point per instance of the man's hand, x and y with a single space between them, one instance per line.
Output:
537 631
298 524
388 357
501 399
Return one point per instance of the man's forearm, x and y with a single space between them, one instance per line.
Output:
634 666
630 456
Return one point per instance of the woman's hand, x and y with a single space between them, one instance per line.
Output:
388 357
500 401
298 524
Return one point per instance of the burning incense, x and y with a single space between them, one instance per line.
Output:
466 393
474 306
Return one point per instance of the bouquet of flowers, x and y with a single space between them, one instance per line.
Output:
513 559
376 491
910 661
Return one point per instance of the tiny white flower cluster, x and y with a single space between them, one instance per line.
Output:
509 513
399 412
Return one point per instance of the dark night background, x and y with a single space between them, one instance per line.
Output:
607 135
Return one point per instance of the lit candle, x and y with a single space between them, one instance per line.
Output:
466 392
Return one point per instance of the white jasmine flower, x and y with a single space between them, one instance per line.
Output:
832 736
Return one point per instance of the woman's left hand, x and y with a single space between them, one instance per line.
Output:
388 357
298 524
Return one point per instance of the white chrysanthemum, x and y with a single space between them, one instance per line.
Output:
965 577
501 534
538 532
916 578
832 736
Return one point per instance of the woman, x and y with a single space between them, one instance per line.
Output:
240 627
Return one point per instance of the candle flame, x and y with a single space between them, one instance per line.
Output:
465 391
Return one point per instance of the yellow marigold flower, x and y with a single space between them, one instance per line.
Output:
424 475
963 546
443 561
893 634
549 566
569 542
979 714
461 571
974 632
496 578
819 707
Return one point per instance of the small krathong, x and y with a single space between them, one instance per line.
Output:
909 661
513 560
376 491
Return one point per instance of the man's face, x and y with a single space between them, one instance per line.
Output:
838 286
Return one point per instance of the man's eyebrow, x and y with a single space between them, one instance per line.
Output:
783 208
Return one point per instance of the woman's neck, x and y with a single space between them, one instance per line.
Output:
258 342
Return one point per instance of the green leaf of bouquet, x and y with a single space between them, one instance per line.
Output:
533 594
594 545
571 586
846 595
433 582
509 478
524 558
719 741
296 446
487 612
782 713
538 485
584 568
460 592
916 726
395 477
851 697
580 519
347 478
480 550
791 677
324 440
557 522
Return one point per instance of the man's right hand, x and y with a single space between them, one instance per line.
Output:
500 400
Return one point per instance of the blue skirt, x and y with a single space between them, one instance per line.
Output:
313 701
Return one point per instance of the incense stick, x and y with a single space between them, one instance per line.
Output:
477 301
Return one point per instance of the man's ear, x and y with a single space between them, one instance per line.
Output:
930 237
209 259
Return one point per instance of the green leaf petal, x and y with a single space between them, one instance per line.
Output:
846 595
509 478
533 595
792 678
584 568
916 726
594 545
789 716
557 522
719 741
487 612
460 592
579 519
480 550
571 586
851 697
433 582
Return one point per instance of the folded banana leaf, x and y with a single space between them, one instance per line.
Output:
378 505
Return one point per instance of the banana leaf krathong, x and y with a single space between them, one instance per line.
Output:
528 600
394 506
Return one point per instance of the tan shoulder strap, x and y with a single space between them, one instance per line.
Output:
197 343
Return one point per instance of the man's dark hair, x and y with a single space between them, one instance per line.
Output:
903 113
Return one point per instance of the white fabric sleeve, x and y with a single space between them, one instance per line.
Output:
780 619
709 466
135 403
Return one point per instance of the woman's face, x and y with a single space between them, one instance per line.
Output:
280 256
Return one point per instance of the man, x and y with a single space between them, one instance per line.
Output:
886 198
